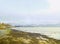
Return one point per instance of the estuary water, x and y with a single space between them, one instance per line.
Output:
53 32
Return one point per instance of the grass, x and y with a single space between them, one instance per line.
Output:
19 37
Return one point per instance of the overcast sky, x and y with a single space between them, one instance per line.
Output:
30 11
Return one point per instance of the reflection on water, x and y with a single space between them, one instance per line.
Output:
53 32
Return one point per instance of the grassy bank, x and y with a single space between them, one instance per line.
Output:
19 37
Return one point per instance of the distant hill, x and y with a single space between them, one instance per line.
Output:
41 25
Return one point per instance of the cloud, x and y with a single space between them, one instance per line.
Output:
54 7
35 7
32 13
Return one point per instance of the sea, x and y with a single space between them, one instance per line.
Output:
52 32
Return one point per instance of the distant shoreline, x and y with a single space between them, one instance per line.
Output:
36 26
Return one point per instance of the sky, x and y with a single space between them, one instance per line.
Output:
30 11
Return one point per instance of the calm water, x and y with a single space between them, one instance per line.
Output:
53 32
